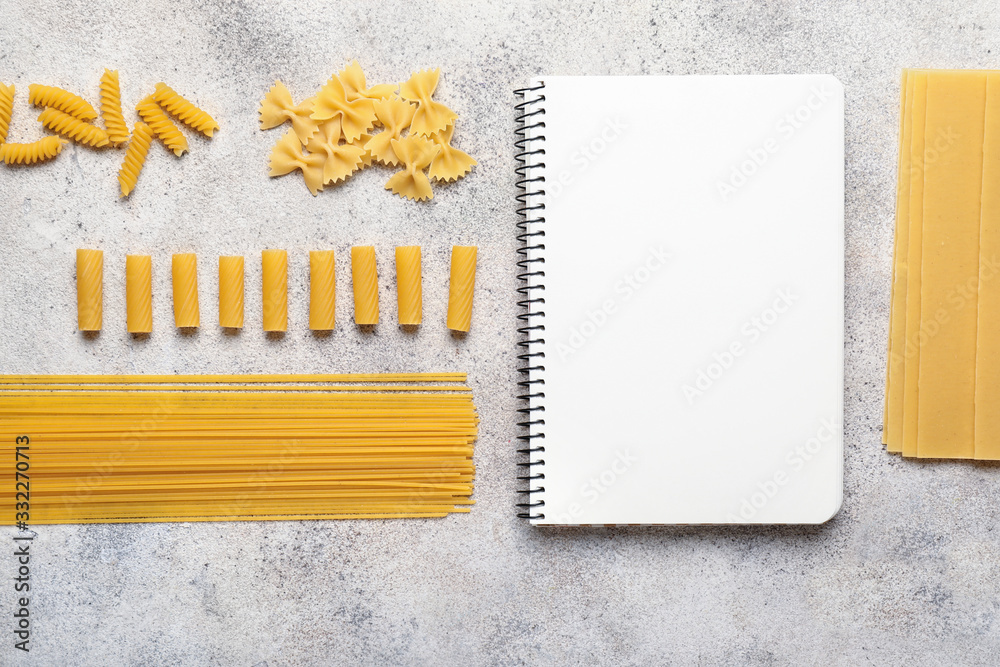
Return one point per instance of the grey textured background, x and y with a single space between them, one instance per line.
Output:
906 571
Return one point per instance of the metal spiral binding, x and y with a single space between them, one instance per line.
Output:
529 117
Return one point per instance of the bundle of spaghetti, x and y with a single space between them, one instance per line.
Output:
123 449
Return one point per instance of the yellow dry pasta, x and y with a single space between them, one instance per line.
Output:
341 160
204 448
184 110
416 153
36 151
139 293
364 275
111 108
322 290
430 116
409 288
353 79
461 287
89 289
73 128
450 164
135 158
231 292
275 289
162 126
357 116
185 282
395 115
57 98
287 156
6 109
278 108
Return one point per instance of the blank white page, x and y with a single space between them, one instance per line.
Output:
694 317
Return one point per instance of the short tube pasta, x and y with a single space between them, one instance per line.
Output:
409 288
139 293
322 290
185 282
275 284
231 291
364 274
90 289
462 286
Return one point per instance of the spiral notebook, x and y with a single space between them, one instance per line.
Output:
682 294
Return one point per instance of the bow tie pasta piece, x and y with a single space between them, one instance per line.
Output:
430 116
416 154
357 116
162 126
184 110
366 156
36 151
57 98
288 156
73 128
395 115
277 108
450 164
342 160
353 79
111 108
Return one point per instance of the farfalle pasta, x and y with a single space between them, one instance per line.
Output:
288 156
450 164
416 153
430 116
341 160
277 108
395 115
350 125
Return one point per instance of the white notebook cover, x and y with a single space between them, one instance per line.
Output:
693 299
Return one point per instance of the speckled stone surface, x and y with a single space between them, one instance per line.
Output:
907 572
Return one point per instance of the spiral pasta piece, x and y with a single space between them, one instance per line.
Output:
409 290
90 289
135 157
162 126
231 279
74 128
36 151
58 98
184 110
364 275
322 290
461 287
275 281
139 293
6 109
185 278
111 108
